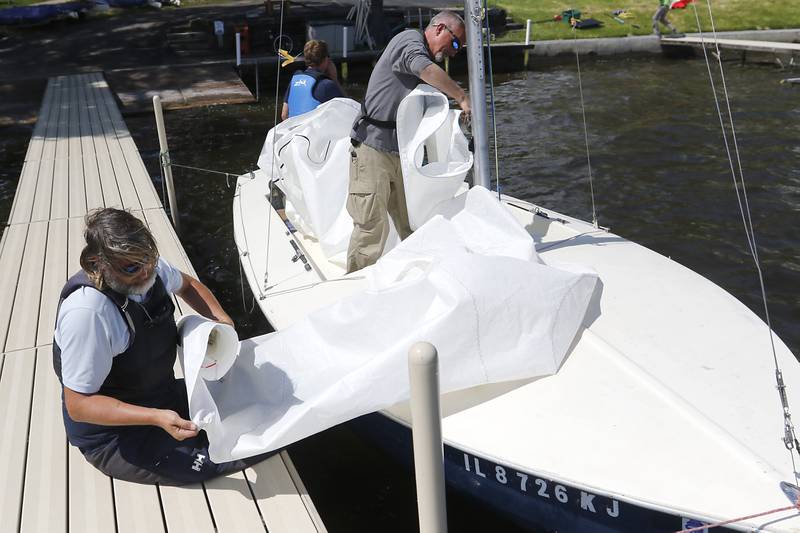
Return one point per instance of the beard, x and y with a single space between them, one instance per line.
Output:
131 290
439 57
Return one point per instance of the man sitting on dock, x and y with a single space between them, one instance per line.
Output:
376 179
313 86
114 352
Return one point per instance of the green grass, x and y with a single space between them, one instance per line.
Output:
728 15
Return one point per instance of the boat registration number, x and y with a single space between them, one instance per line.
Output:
538 487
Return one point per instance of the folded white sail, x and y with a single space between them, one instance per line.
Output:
470 282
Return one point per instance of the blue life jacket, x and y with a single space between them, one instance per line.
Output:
301 92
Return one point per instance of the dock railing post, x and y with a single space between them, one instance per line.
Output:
238 49
344 53
527 41
426 424
166 164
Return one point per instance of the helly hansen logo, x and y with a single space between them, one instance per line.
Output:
198 463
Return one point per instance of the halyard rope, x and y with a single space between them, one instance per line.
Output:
491 95
272 169
789 439
739 519
585 129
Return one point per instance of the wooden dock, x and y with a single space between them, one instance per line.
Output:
81 157
179 86
739 45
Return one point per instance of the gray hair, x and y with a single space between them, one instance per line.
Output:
115 235
451 19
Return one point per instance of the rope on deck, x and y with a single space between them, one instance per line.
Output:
741 518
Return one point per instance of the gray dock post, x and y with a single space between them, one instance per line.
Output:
345 69
426 424
166 164
527 41
238 49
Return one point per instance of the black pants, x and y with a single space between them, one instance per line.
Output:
148 454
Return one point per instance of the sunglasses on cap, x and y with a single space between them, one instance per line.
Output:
456 43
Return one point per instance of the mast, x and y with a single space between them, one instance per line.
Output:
473 19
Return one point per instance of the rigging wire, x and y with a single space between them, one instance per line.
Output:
585 129
272 166
789 439
491 95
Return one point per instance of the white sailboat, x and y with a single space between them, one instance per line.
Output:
662 417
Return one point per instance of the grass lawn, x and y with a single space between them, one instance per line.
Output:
728 15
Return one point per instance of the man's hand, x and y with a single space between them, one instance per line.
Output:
467 108
176 426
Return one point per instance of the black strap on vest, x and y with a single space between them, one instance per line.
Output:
383 124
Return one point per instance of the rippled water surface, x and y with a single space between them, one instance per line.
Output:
661 178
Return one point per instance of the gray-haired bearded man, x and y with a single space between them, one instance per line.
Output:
114 352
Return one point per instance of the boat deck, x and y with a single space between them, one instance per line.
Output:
81 157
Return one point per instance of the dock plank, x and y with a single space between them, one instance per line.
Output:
36 143
10 265
77 187
186 510
16 384
46 469
91 497
277 497
44 191
60 196
138 508
55 274
22 207
233 505
25 309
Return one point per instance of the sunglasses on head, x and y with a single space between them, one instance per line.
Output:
456 43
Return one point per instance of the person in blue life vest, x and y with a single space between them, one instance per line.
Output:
313 86
114 351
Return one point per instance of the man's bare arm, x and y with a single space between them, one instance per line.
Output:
108 411
434 75
200 298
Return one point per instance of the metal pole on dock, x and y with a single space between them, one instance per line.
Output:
344 53
527 41
426 425
238 48
166 164
473 18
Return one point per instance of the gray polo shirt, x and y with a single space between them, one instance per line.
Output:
395 75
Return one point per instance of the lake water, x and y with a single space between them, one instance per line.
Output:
661 178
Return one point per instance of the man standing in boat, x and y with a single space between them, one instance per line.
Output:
376 179
114 352
313 86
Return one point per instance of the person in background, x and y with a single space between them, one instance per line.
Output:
660 17
114 352
376 181
313 86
